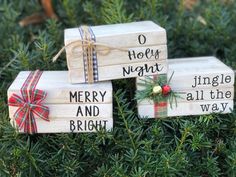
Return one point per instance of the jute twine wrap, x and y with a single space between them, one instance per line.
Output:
89 47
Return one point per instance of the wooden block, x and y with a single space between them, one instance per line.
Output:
210 71
186 108
72 125
74 110
117 57
123 35
122 71
207 84
113 47
199 72
60 91
80 104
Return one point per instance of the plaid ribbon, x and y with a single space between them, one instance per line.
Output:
89 55
160 108
29 104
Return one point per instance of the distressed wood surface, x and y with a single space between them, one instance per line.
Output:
200 95
122 35
211 71
113 72
187 109
74 110
207 84
72 125
60 91
118 57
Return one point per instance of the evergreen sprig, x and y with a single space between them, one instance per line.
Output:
149 83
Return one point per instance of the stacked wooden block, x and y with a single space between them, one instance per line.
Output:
99 53
119 51
72 108
205 85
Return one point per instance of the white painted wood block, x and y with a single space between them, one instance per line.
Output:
73 125
198 72
84 104
117 57
122 35
205 82
136 44
189 108
122 71
60 91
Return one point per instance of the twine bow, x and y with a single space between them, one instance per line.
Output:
29 105
89 47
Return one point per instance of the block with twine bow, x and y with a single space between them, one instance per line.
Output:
108 52
29 104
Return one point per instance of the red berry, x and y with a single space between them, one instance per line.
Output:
166 90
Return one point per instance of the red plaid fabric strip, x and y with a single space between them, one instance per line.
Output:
30 104
160 108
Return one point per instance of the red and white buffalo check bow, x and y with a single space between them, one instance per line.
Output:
29 104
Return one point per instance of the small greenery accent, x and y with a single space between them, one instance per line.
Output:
149 83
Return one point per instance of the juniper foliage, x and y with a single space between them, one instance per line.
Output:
181 146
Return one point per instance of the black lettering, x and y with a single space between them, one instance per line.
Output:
79 112
72 126
80 94
73 96
90 125
141 39
227 79
215 81
195 82
95 94
95 111
228 94
88 110
103 95
87 95
131 55
79 124
189 97
205 107
140 55
126 71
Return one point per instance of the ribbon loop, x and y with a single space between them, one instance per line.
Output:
29 104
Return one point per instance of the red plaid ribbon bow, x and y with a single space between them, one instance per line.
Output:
30 104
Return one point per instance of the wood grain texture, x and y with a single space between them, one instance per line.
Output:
113 72
205 81
58 88
62 111
72 125
118 57
186 69
187 109
122 35
200 95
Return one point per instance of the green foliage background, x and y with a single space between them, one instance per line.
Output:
184 146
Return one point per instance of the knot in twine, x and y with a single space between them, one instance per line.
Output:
87 45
